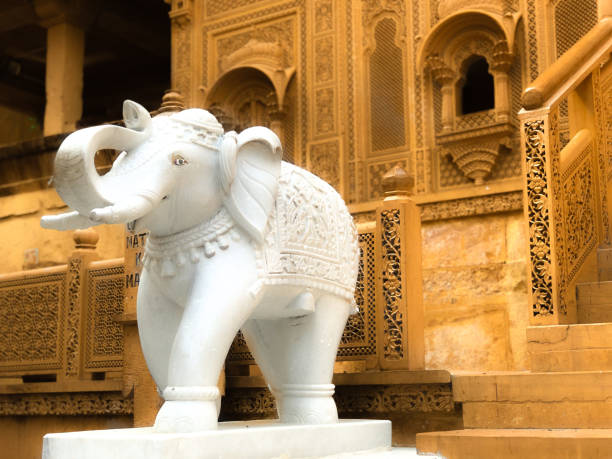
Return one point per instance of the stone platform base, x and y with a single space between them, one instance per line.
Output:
254 439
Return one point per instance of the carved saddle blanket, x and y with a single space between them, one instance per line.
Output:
311 239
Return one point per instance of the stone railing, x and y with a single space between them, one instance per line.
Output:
566 202
61 347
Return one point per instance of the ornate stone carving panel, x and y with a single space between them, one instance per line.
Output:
324 161
468 207
401 398
31 314
215 7
73 316
66 404
579 212
281 32
258 403
539 220
324 16
105 304
391 274
324 59
325 103
181 51
359 337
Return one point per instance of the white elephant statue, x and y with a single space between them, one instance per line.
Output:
239 240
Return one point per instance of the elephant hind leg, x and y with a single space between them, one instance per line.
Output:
297 356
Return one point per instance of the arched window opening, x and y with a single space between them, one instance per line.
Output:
477 93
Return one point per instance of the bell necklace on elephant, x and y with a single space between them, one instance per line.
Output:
239 240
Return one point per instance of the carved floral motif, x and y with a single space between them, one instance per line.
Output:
324 16
311 252
73 320
324 113
62 404
324 160
391 273
472 206
280 33
324 59
579 213
104 333
539 219
216 7
602 96
373 8
181 52
556 184
30 313
258 403
400 398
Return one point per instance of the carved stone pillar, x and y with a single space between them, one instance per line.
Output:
76 282
500 65
182 48
445 77
64 64
277 122
400 323
543 213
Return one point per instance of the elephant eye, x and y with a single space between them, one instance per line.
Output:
178 160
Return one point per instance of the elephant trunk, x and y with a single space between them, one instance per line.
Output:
76 179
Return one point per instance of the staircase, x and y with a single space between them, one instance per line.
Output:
562 408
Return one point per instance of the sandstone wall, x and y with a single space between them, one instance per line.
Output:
475 293
20 231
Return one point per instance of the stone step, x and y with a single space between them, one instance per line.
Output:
522 400
604 263
563 348
517 443
594 302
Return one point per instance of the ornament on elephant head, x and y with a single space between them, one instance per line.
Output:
239 240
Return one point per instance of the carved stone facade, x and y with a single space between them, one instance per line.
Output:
62 404
355 88
375 82
352 401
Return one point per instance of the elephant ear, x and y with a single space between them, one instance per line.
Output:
252 191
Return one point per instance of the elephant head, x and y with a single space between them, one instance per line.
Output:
174 171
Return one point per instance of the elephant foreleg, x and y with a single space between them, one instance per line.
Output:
219 304
158 321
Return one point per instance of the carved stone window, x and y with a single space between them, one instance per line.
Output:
468 58
477 88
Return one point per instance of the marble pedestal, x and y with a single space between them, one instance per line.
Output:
254 440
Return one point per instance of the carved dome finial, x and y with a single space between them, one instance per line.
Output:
172 101
397 183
